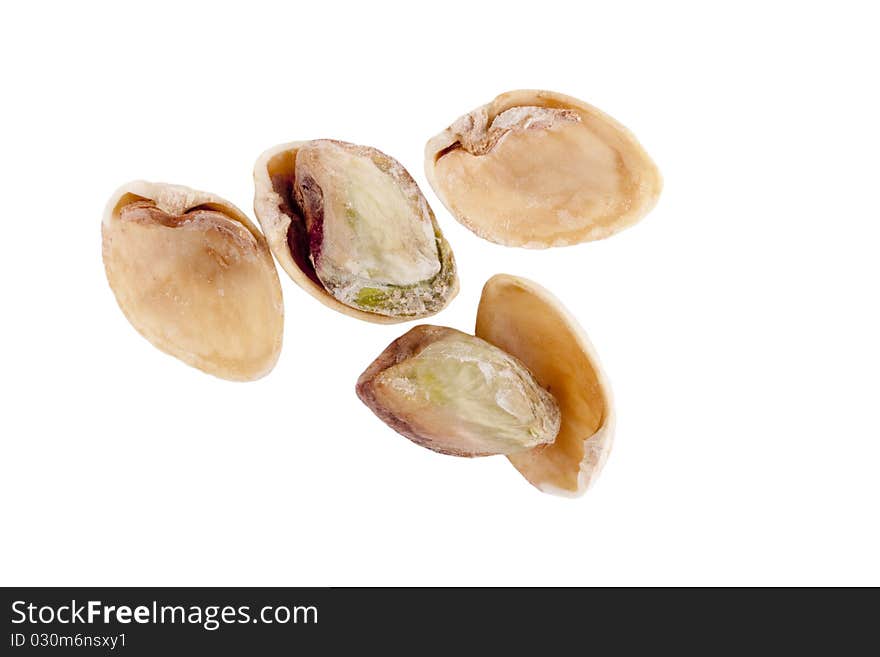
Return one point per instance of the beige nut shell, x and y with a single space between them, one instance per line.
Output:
201 287
276 166
525 320
585 179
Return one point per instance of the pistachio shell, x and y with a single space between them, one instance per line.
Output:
350 226
540 169
195 277
525 320
457 394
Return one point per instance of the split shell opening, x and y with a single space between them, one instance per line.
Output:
195 277
350 226
539 169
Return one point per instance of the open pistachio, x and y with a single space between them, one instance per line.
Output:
194 277
457 394
529 386
540 169
350 225
525 320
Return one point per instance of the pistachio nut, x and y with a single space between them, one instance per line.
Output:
539 169
457 394
350 226
195 277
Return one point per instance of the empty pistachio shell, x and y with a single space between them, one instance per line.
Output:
349 225
540 169
456 394
525 320
194 277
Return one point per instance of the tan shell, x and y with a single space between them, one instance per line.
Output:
528 322
275 169
557 175
195 277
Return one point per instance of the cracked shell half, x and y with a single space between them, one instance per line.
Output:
195 277
539 169
526 321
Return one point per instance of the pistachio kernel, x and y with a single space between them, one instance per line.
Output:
457 394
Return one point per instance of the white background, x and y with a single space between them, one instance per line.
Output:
737 322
